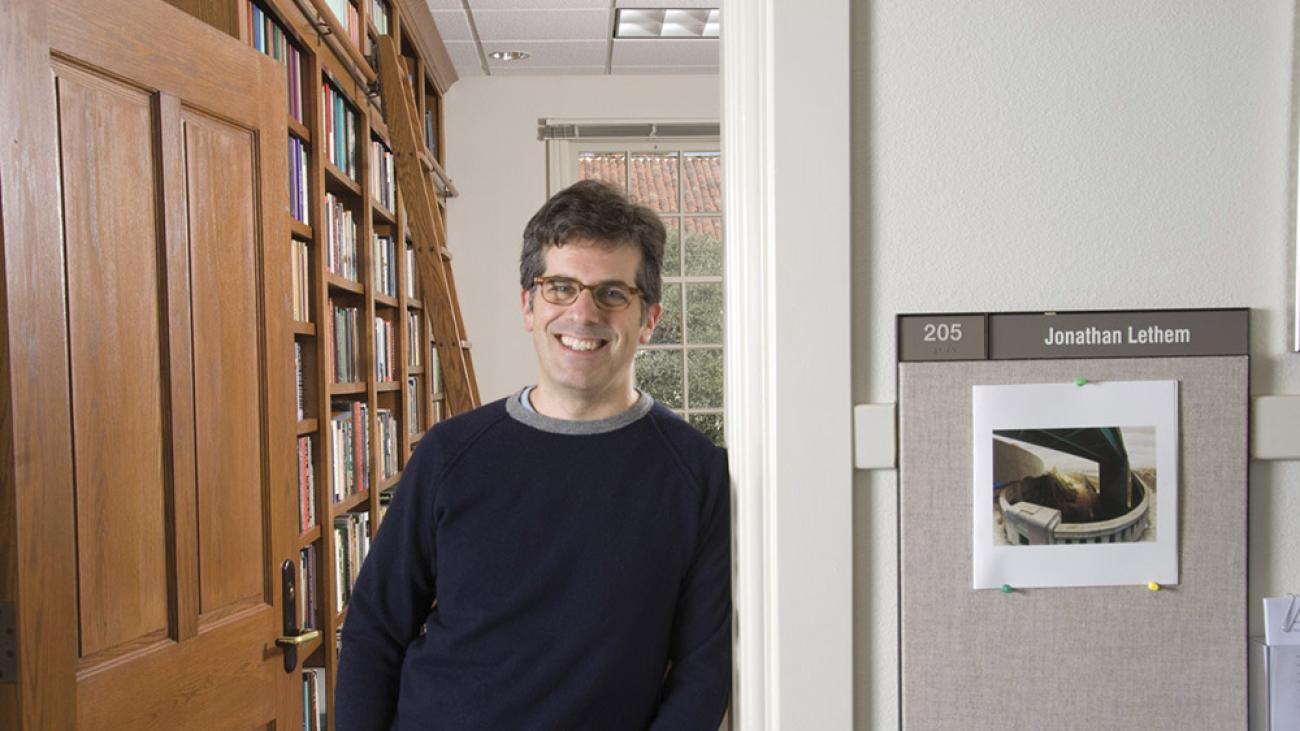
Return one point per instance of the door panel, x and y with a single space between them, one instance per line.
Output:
172 151
111 254
220 160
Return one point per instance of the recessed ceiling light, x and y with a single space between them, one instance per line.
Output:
667 23
509 55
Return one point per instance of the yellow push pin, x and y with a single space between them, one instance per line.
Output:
1006 589
1080 381
1153 586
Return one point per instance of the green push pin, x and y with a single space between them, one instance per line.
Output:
1080 381
1006 588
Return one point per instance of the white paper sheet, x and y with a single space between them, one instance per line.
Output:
1144 413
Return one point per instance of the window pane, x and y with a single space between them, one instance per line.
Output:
672 266
659 373
607 167
703 246
710 425
704 373
704 313
669 329
654 180
702 178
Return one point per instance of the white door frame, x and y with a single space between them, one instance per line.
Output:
786 155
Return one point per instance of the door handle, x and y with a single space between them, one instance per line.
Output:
292 637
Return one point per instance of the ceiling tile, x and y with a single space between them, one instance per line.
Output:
550 53
654 52
629 70
550 71
542 25
444 4
452 25
465 57
477 5
668 3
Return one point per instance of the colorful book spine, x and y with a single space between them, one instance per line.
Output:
298 180
306 486
382 187
267 35
301 268
340 123
340 238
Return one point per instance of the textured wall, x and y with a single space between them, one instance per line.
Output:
1028 155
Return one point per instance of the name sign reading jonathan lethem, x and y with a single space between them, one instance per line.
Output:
1037 335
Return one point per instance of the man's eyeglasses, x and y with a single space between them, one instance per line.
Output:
607 295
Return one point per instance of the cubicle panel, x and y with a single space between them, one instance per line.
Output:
1090 657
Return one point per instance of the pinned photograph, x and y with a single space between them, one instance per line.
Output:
1065 489
1077 485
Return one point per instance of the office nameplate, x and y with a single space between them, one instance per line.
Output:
1163 333
941 337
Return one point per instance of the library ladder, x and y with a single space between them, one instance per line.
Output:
433 260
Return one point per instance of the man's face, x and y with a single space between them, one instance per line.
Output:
584 353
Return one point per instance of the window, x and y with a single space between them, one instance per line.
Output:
682 365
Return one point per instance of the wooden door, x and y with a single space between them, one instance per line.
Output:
162 541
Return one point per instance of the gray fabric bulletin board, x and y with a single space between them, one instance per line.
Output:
1073 658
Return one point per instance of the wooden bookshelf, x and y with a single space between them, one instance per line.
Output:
328 55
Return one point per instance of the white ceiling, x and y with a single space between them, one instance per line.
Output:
564 37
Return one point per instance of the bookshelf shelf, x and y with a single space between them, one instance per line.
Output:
389 483
381 214
337 181
350 504
307 329
299 130
386 386
415 370
347 389
414 304
310 536
301 230
383 300
344 284
307 426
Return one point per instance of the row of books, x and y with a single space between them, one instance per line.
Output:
410 272
385 351
387 443
266 35
348 17
435 371
340 238
385 265
307 606
379 15
298 180
340 129
383 184
413 401
313 699
306 485
415 338
350 443
351 544
301 281
342 345
297 369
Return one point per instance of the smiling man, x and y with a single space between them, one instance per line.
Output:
558 559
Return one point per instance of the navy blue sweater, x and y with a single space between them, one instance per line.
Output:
582 581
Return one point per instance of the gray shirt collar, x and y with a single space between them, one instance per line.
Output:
516 409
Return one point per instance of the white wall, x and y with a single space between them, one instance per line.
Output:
499 167
1033 155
